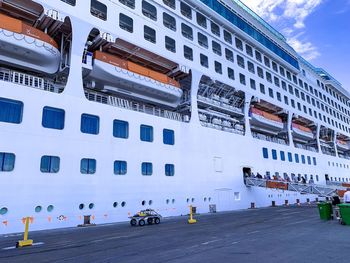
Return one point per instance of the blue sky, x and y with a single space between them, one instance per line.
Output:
319 30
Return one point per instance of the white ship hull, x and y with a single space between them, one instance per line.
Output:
208 160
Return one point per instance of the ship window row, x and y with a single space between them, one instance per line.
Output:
187 32
51 164
306 98
282 156
298 105
170 22
11 111
338 179
334 164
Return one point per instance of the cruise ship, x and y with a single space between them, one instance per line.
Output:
108 107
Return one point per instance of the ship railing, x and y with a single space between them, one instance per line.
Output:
28 80
135 106
320 190
264 137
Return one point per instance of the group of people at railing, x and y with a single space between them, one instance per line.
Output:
293 179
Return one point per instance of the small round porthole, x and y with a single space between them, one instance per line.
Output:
50 208
81 206
115 204
143 202
3 211
91 205
38 209
123 204
150 202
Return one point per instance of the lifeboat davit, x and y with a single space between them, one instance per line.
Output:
26 46
118 75
266 120
343 145
302 132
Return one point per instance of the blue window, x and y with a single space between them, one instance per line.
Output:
90 124
120 167
303 158
283 157
168 137
296 157
274 154
11 110
50 164
314 161
120 129
147 168
265 153
309 160
169 169
88 166
7 162
290 157
53 118
146 133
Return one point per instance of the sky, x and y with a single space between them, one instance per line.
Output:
319 30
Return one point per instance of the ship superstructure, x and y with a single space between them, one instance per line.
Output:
112 106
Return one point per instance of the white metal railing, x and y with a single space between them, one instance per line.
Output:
264 137
135 106
28 80
320 190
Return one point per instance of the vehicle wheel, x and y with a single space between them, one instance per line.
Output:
133 222
142 222
157 220
150 221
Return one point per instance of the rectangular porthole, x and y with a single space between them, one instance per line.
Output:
11 111
53 118
265 153
7 162
88 166
120 167
147 169
50 164
90 124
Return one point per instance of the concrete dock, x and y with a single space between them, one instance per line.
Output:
278 234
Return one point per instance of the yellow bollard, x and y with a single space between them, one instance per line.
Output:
25 242
191 220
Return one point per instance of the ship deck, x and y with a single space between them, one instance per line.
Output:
280 234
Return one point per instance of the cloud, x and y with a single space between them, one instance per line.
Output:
275 10
305 48
289 16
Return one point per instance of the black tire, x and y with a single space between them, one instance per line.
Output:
157 220
150 221
142 222
133 222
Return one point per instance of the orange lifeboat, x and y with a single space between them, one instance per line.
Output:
302 132
264 119
27 47
343 145
115 74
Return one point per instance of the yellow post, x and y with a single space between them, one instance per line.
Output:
191 220
25 242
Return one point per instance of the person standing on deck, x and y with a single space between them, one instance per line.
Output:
347 196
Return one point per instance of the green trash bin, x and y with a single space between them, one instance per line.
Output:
345 213
325 210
